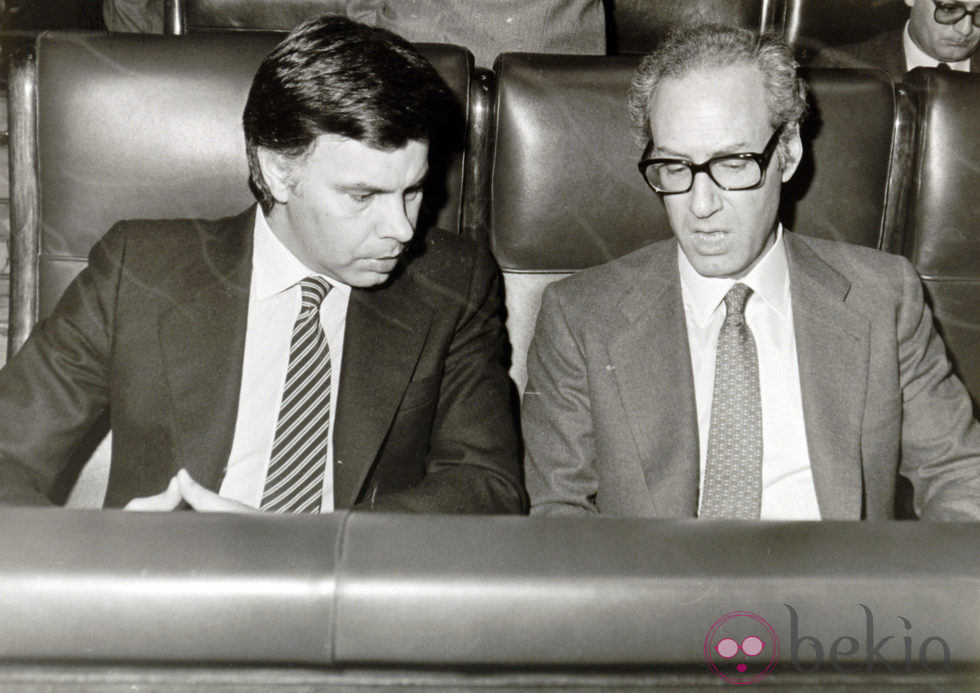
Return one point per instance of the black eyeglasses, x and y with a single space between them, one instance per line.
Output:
741 171
952 12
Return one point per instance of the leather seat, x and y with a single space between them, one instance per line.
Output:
943 241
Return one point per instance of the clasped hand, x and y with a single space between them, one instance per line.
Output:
182 488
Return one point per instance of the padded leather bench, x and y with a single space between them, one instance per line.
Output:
470 594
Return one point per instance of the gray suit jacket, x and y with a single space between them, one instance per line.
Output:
884 51
609 415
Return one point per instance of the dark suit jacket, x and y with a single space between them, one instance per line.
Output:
154 329
884 51
609 416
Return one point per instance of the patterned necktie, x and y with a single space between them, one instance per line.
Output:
294 481
733 470
944 66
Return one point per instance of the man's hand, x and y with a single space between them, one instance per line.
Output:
183 488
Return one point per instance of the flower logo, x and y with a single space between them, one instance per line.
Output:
741 647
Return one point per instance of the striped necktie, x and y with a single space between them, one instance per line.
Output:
294 480
733 468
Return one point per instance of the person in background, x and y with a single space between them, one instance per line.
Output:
739 370
939 33
486 27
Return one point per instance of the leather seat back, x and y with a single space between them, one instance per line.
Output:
943 241
565 192
856 140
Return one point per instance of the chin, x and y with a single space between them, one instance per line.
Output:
366 280
718 269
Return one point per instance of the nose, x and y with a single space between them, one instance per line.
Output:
964 27
705 197
398 220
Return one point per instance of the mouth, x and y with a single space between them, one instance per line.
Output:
385 264
959 43
710 233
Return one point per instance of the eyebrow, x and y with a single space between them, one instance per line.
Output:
368 188
737 148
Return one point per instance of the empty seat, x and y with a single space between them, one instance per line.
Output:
944 243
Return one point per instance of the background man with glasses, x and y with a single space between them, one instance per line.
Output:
738 370
939 33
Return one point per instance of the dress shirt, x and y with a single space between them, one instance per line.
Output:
788 492
273 303
916 57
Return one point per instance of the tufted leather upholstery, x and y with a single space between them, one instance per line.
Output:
943 242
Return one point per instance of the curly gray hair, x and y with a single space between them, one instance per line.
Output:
712 46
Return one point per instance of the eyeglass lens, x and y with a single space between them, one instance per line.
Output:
730 173
952 12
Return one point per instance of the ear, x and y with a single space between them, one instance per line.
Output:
276 171
794 153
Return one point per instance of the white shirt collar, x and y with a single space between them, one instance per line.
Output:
916 57
769 280
274 268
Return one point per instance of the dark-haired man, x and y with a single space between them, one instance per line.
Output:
296 357
739 370
939 33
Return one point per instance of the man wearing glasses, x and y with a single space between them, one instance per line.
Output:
939 33
738 370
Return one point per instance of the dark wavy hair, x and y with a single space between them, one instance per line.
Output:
335 76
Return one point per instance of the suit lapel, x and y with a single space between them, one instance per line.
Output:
385 332
652 363
832 343
203 342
